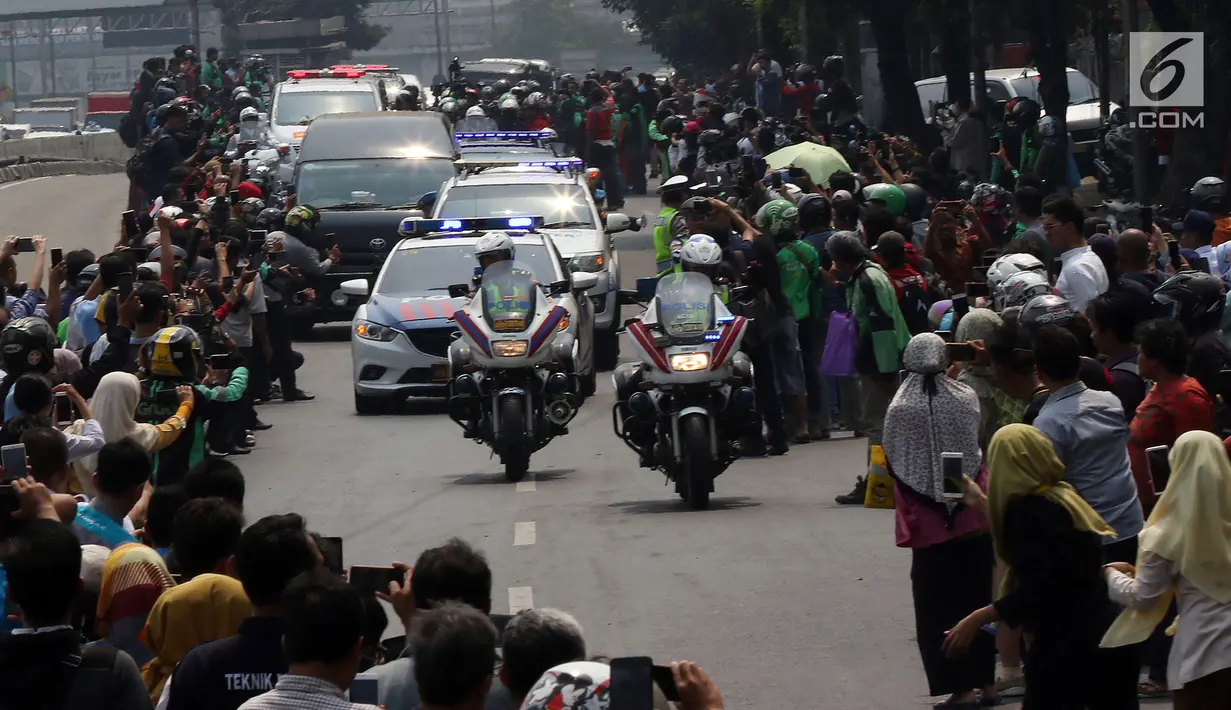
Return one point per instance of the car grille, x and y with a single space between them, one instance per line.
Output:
432 341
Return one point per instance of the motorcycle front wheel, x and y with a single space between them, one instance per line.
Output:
515 456
695 445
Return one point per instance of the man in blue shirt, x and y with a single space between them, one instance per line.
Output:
1090 434
768 76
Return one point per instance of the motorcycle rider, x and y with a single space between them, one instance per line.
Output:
509 117
1197 299
250 130
1209 194
837 107
671 229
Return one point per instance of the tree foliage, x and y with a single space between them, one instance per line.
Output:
696 36
545 28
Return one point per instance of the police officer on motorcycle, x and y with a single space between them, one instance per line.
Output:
671 229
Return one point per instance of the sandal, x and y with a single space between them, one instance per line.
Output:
1148 689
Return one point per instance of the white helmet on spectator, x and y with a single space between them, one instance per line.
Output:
1018 289
1010 264
493 244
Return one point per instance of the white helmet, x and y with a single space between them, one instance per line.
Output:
249 113
476 112
172 212
1010 264
509 103
1018 289
492 243
551 132
701 253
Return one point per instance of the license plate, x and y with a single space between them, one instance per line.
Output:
440 373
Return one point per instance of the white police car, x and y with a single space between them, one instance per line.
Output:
400 337
557 189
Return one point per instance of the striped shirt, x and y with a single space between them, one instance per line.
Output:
301 692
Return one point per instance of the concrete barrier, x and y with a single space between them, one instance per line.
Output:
87 154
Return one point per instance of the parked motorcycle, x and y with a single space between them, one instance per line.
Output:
689 400
512 381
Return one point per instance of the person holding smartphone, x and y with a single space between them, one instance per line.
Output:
952 560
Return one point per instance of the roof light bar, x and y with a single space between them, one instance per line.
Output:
501 135
561 163
415 227
325 73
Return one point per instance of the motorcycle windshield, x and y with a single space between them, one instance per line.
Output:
509 294
685 305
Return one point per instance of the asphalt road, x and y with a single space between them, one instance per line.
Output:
785 597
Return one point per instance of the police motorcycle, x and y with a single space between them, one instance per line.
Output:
253 145
512 379
689 399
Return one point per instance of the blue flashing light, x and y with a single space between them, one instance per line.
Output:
565 163
724 319
713 336
500 135
450 224
521 222
415 227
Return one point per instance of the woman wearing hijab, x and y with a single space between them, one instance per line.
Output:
951 552
134 577
982 325
113 407
206 608
1185 553
1049 538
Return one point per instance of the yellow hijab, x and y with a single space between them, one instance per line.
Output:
1021 461
1190 525
203 609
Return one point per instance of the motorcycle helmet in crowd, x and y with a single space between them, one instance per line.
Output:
779 219
1194 298
916 201
301 221
174 353
889 195
27 344
271 219
1048 309
1019 289
1209 194
1010 264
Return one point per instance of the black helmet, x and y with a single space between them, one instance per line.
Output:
834 65
1044 310
174 354
271 219
27 345
814 209
1027 111
244 101
1195 299
966 190
916 201
1209 194
163 95
672 125
501 87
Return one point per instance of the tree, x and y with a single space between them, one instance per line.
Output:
889 20
544 28
695 36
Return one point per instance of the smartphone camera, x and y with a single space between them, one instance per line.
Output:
952 484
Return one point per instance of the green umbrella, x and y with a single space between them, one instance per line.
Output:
820 161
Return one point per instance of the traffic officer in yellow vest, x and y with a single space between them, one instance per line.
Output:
670 231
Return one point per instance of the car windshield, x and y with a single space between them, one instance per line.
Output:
685 304
302 107
1081 89
561 205
435 268
376 182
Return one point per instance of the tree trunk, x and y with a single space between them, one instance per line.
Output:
902 112
955 56
1049 45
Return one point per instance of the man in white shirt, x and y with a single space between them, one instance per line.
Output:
1082 274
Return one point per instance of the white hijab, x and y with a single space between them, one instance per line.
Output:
113 407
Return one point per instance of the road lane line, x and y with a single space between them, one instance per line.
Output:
523 534
27 181
520 599
526 486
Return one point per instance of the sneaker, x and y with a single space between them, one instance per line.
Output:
857 495
249 441
216 454
817 432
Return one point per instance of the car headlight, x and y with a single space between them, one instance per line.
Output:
587 262
374 331
690 362
510 348
563 323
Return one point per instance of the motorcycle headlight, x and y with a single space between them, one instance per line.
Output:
510 348
592 263
374 331
690 362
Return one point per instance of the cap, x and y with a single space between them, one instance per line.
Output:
1195 221
677 182
247 190
842 195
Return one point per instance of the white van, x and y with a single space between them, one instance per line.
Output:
1082 118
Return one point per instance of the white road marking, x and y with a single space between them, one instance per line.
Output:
27 181
523 534
520 599
526 486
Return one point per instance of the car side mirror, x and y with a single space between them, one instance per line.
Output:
459 290
583 281
617 222
426 202
355 287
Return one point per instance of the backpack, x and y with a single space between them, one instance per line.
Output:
138 166
914 304
129 130
97 663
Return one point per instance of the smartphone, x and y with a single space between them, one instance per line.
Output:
25 245
221 361
794 172
1173 253
331 550
952 484
1147 219
364 689
234 197
995 144
130 225
13 459
632 683
1053 272
1201 264
124 284
711 178
168 397
1103 228
961 306
902 376
140 254
976 289
57 255
945 335
375 579
961 352
63 409
665 680
775 180
1159 465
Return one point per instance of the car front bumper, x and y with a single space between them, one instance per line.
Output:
399 369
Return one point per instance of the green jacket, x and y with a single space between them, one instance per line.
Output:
874 319
798 263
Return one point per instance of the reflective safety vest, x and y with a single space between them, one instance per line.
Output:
663 260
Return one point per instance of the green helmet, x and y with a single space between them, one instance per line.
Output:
778 219
888 194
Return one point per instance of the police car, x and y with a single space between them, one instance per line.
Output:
401 335
557 189
309 93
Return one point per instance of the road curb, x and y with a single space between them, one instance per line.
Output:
25 171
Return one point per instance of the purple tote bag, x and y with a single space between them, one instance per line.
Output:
841 344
